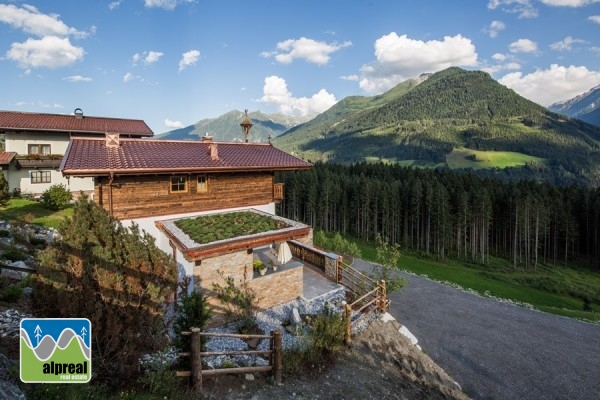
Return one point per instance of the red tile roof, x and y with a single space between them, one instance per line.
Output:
26 121
91 157
6 157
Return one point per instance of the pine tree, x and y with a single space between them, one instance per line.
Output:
112 275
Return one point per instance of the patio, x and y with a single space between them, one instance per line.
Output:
315 283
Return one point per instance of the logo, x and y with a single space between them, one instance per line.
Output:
56 350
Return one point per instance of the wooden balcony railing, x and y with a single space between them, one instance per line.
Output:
278 191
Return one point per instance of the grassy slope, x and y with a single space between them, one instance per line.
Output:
18 209
552 289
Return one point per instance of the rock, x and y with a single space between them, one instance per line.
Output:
261 362
295 317
9 391
249 377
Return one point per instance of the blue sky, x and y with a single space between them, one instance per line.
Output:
174 62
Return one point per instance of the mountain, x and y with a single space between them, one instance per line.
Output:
227 128
455 118
585 107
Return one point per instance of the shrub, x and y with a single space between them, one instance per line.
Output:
13 253
327 331
4 193
112 275
386 268
56 197
240 302
11 294
194 312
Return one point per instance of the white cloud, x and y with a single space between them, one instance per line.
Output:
569 3
524 8
189 58
173 124
77 78
595 19
399 58
128 77
114 4
30 20
523 46
566 44
275 92
305 49
495 28
148 57
354 78
555 84
49 52
165 4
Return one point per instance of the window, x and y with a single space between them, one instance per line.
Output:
40 176
40 149
202 184
178 184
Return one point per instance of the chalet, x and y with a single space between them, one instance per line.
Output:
35 144
155 183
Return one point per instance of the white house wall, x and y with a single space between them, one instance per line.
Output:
18 142
21 178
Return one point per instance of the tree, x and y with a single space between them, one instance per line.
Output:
4 193
386 268
112 275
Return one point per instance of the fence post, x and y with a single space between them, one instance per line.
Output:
196 361
277 357
338 270
348 333
383 296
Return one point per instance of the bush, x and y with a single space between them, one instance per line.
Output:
194 312
56 197
112 275
327 331
240 303
4 193
13 253
11 294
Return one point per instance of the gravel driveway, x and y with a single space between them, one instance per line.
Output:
497 350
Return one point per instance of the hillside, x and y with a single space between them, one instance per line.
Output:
585 107
227 127
455 118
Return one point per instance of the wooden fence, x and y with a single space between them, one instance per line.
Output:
374 300
196 355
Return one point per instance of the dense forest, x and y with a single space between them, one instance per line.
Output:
442 213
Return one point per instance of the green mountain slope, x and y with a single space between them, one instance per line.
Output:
226 128
455 118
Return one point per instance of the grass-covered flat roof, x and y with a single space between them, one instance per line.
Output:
215 227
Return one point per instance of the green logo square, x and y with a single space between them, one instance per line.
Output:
56 350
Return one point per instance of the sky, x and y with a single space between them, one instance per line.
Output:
174 62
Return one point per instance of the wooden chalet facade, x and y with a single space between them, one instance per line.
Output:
155 182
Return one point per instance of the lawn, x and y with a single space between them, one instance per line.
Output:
468 158
33 212
554 289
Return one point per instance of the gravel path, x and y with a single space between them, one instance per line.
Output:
498 350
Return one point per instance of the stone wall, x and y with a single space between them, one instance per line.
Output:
281 286
271 289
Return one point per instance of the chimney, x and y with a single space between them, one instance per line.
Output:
212 150
207 137
112 140
78 113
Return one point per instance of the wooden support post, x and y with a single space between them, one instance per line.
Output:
383 296
277 357
196 361
338 270
348 334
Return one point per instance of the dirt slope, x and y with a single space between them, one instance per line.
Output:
382 364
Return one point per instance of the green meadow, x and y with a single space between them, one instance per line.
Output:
475 159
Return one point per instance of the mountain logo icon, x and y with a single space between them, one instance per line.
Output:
56 350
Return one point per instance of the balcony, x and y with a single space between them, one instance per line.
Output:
50 161
277 192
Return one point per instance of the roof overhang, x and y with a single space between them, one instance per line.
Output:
173 171
193 251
